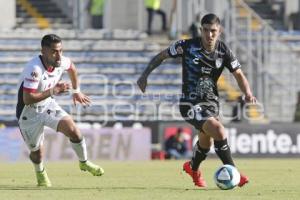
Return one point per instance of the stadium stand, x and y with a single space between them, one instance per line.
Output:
120 55
41 14
108 63
270 63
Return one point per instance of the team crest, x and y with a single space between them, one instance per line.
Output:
34 74
219 62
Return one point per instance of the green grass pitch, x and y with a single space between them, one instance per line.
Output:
270 179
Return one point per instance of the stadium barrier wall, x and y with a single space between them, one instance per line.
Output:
280 140
103 144
246 141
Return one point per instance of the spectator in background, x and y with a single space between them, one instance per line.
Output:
195 27
172 21
96 8
176 146
153 6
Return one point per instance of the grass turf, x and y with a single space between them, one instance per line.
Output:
273 179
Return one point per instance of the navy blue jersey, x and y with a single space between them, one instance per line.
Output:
201 69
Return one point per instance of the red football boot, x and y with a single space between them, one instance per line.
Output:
196 175
243 180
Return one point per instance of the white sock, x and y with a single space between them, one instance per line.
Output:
39 167
80 150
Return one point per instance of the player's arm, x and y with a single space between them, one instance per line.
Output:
153 64
244 85
34 97
31 96
78 96
31 83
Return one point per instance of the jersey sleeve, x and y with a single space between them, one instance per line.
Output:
176 49
66 63
32 76
231 62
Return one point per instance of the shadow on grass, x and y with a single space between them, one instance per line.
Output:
35 188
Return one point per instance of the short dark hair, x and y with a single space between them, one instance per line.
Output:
210 19
47 40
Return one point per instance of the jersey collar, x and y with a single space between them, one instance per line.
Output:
47 69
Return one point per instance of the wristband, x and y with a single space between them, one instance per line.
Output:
76 91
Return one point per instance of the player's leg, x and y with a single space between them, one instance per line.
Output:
213 128
68 127
40 172
188 112
200 151
57 119
32 130
216 130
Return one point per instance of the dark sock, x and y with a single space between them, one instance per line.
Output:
199 154
223 151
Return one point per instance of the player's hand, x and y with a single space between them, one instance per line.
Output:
81 98
61 87
142 83
250 99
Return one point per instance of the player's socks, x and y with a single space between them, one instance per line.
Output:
199 154
42 179
80 149
84 164
38 167
223 151
92 168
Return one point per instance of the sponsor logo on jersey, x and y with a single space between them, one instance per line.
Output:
206 70
196 60
30 80
235 64
219 62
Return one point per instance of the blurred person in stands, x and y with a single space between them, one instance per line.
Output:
39 83
203 60
176 146
153 7
195 27
96 9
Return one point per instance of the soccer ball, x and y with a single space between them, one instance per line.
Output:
227 177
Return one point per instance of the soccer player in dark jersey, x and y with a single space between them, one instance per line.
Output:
203 60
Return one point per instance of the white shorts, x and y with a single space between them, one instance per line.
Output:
34 118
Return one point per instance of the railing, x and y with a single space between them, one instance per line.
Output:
262 53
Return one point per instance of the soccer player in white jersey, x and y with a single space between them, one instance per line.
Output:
36 107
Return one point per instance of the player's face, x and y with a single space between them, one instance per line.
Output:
53 54
210 34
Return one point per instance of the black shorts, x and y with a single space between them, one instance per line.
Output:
197 113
